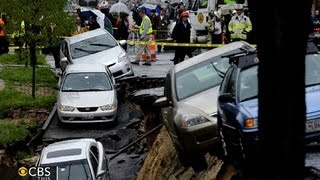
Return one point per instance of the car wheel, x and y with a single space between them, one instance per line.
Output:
239 154
182 156
198 162
221 152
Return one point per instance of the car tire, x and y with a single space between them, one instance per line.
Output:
182 156
198 162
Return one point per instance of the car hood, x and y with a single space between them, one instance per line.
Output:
312 103
86 99
205 101
313 99
106 57
251 106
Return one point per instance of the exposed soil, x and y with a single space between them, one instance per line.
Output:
162 163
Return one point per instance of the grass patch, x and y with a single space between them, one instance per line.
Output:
23 75
14 59
11 99
12 132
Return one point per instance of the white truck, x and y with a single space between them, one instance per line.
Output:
199 16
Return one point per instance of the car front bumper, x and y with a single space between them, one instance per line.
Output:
87 117
199 138
121 69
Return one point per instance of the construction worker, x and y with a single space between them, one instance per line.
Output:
145 31
239 25
216 27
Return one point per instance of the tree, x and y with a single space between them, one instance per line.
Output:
281 50
37 16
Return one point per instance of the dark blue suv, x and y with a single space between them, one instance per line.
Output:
238 103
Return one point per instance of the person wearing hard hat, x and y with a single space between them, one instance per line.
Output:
145 31
216 27
240 25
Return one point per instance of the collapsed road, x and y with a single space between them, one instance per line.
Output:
155 156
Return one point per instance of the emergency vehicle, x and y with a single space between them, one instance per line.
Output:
199 16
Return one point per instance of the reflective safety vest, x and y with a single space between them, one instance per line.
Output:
238 27
141 30
1 27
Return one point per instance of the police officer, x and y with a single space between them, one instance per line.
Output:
239 25
145 31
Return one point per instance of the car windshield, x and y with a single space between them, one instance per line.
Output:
92 45
97 81
248 83
200 77
312 69
71 170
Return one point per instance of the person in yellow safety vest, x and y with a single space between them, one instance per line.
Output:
239 25
145 31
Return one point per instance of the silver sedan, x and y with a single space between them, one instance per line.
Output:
87 94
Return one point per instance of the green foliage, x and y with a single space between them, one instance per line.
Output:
23 75
10 132
38 16
14 59
22 155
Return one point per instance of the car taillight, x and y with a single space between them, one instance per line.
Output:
317 29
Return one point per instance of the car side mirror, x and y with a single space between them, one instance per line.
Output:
161 103
122 42
57 87
64 63
226 98
101 173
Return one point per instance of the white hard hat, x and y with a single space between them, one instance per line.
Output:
217 14
234 11
238 6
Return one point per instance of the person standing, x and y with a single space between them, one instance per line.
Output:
79 27
217 28
145 30
123 28
154 20
2 36
94 23
239 25
181 34
163 27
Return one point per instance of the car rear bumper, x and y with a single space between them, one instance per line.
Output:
87 117
201 138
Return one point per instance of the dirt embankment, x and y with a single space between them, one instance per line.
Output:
162 163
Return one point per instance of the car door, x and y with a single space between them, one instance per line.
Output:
167 112
228 110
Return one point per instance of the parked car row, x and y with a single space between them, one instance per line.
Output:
211 104
87 93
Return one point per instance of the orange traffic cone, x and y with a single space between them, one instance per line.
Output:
152 48
143 56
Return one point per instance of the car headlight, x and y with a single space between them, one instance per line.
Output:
122 57
108 107
192 120
251 123
66 108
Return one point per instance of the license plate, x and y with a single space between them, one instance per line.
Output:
313 126
87 116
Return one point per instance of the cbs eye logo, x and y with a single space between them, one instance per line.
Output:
23 171
34 171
